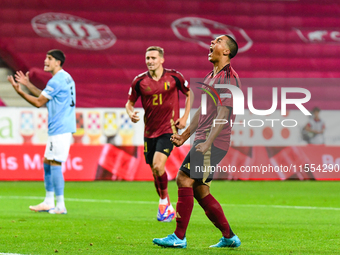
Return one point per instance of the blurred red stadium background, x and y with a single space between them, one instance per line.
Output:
105 41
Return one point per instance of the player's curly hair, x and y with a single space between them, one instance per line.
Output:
233 46
157 48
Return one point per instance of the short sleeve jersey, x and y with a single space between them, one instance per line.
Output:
160 100
225 76
60 90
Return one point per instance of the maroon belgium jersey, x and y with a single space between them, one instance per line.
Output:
226 76
160 100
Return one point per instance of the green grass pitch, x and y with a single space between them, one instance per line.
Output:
289 217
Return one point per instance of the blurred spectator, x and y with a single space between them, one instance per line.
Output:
313 132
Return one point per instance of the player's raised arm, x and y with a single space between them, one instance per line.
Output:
24 80
35 101
131 111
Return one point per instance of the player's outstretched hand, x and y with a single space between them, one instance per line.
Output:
180 123
177 139
134 117
15 85
22 78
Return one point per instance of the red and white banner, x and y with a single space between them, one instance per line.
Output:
25 162
109 162
99 126
317 162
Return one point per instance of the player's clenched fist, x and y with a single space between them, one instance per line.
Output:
202 147
134 117
177 140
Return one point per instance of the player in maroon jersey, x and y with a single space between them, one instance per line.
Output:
159 91
210 146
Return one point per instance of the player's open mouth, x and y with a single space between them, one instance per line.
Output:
210 51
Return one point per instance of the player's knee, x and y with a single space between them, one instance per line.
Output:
183 180
201 191
157 170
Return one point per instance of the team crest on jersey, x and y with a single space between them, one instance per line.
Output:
74 31
202 31
167 85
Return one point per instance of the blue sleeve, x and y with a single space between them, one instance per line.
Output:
51 89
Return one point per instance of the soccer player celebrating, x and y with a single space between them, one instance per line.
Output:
159 90
59 97
210 146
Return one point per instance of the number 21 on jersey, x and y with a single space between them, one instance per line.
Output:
157 99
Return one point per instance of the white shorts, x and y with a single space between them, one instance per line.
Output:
58 147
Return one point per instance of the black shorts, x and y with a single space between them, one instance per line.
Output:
202 167
161 144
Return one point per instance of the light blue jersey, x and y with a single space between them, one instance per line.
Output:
60 90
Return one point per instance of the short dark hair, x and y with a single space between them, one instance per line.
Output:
58 55
157 48
316 109
232 44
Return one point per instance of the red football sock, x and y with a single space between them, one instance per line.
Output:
216 215
156 185
184 208
163 186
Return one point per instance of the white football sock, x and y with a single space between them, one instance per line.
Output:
163 201
60 201
49 199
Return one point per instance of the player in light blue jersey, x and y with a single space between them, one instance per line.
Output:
59 97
